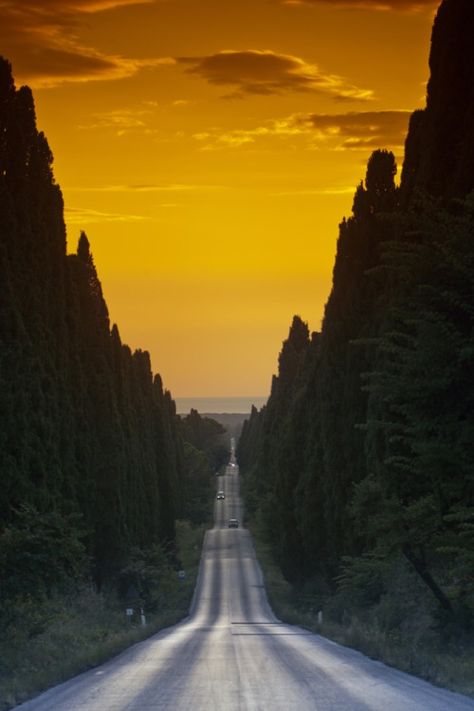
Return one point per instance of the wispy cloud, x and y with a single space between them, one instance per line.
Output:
325 192
144 188
359 130
86 216
120 120
363 130
265 72
345 190
48 7
215 138
42 41
378 5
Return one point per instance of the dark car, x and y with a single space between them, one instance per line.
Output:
220 495
233 523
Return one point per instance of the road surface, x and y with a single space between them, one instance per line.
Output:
232 653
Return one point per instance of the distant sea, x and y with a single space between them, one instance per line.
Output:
219 405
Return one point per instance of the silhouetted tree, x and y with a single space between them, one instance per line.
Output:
364 457
86 431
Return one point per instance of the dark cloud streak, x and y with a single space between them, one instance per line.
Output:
365 131
379 5
360 130
265 72
41 41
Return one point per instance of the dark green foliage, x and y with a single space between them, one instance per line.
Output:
208 436
362 463
47 640
86 431
372 458
274 468
422 396
440 145
380 181
40 553
196 485
205 451
148 580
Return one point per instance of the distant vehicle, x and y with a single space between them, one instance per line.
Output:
220 495
233 523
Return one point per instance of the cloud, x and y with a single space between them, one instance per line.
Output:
276 127
265 72
137 119
86 216
401 5
71 6
41 39
144 188
335 191
121 120
363 130
359 130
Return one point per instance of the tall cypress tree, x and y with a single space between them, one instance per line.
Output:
85 428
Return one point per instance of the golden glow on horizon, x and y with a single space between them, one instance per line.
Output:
210 149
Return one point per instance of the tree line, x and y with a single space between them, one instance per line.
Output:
362 462
94 460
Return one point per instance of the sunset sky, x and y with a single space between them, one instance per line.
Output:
209 148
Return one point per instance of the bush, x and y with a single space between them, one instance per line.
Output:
47 639
398 625
40 552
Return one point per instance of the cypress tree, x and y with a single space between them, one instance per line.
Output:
85 429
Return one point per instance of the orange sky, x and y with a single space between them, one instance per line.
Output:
209 148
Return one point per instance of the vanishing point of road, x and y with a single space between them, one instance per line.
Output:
233 653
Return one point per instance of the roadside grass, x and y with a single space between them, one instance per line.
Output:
46 643
413 647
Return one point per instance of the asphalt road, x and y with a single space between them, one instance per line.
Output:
232 653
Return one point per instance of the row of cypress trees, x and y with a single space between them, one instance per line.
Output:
91 451
363 455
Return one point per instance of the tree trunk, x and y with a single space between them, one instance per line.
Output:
420 566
